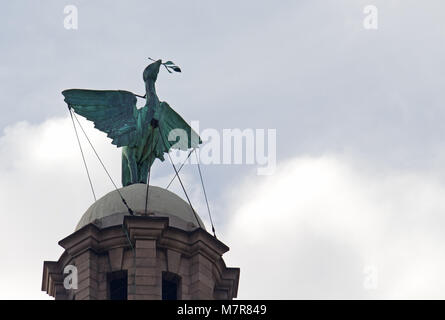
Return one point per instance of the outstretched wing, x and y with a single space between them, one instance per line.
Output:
169 123
113 112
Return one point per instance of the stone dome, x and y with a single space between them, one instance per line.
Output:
109 210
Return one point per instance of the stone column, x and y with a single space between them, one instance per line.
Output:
148 282
86 264
201 278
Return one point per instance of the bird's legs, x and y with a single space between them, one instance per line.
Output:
143 171
130 154
133 170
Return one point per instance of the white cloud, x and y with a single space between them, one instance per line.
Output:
306 232
44 191
311 230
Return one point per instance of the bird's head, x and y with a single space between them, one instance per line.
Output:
152 70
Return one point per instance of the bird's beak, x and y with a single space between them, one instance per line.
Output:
157 61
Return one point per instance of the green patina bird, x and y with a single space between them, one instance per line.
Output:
145 134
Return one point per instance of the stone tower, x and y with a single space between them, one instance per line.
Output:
164 254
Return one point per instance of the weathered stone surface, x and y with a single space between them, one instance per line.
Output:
152 249
173 261
116 255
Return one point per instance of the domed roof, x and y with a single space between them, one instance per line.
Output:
109 210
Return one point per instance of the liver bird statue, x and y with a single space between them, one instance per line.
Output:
144 134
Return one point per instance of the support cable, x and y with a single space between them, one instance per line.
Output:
146 195
134 256
205 194
100 160
180 181
180 168
83 156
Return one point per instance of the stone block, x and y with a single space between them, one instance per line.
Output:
146 272
146 262
173 261
152 290
145 244
145 253
115 257
147 280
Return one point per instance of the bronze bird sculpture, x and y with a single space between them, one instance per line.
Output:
144 134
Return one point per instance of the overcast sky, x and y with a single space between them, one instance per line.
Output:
357 197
